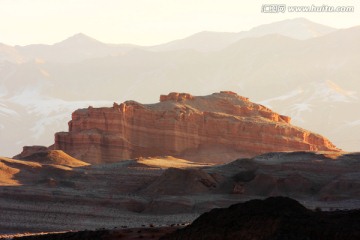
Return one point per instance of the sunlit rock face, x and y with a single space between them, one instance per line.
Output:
216 128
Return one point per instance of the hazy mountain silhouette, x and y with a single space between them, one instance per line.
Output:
76 48
10 54
298 28
315 81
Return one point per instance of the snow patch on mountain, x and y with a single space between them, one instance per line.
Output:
329 91
42 124
297 111
354 123
7 112
38 104
56 111
44 115
3 91
289 95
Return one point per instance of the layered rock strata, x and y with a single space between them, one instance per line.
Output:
215 128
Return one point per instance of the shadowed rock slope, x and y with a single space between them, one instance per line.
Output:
215 128
276 218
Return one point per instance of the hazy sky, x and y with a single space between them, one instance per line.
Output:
147 22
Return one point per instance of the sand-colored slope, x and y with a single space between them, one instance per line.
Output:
56 157
168 162
7 174
36 167
9 168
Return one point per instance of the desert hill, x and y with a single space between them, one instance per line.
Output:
56 157
9 168
37 168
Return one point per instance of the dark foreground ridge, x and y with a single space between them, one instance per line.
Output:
276 218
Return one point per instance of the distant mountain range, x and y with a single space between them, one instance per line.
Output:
299 28
298 68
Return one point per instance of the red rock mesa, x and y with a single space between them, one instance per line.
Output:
216 128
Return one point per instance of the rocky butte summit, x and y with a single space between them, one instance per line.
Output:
216 128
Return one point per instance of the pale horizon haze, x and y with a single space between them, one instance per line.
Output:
144 22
